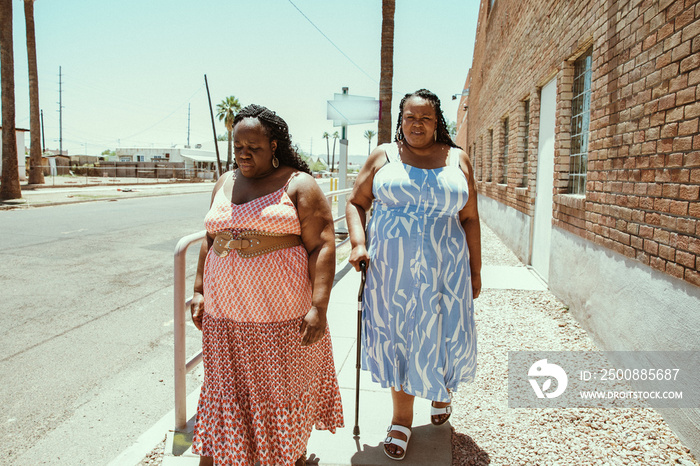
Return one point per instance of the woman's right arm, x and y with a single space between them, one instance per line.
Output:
197 305
359 203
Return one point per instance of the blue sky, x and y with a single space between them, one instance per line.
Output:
130 68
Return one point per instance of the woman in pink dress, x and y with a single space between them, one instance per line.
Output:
261 292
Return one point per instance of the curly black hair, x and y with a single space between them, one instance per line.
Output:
443 135
277 130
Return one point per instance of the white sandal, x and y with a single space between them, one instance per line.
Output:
398 442
447 410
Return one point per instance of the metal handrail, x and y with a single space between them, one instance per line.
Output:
181 303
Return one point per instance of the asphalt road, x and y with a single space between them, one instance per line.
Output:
86 325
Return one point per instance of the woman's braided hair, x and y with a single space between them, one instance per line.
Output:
443 135
277 130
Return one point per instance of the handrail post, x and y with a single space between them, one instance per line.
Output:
179 321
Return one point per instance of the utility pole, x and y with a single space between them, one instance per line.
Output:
188 125
60 114
213 128
343 172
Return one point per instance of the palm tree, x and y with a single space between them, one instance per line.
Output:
36 173
226 111
335 138
369 134
9 187
387 71
327 136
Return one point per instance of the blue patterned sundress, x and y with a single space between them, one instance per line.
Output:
418 311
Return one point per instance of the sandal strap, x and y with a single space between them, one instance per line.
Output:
404 430
395 441
440 411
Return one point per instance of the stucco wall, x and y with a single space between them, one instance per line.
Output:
509 224
624 305
627 306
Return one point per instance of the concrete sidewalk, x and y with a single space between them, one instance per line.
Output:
429 444
66 193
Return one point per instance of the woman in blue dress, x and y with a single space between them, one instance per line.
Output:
423 253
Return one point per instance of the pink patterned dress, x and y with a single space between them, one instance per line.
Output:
263 392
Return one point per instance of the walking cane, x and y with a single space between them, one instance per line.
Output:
363 270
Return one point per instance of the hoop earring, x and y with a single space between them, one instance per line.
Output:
275 162
399 134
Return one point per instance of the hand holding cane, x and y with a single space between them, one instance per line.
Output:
363 270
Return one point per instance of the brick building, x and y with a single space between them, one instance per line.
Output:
581 120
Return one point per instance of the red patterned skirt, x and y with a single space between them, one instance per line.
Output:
263 392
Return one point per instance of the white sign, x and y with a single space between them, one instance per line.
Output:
346 109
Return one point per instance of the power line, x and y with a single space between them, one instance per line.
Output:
333 43
164 118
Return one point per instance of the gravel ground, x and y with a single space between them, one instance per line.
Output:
486 431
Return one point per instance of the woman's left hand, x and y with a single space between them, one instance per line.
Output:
312 327
476 285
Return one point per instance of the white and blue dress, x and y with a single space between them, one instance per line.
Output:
418 310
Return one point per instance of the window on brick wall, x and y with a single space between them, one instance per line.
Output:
526 142
475 161
580 120
482 162
490 174
504 158
470 156
480 157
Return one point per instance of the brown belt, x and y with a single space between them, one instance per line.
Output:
252 243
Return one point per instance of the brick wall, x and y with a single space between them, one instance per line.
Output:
642 195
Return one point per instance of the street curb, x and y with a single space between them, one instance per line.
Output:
9 205
153 436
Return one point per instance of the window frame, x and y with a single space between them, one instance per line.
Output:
580 123
526 144
490 173
505 154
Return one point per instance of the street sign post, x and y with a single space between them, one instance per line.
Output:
344 110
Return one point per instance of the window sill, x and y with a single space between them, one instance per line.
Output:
574 201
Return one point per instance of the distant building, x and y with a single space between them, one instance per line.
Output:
196 157
55 152
581 121
54 164
20 152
